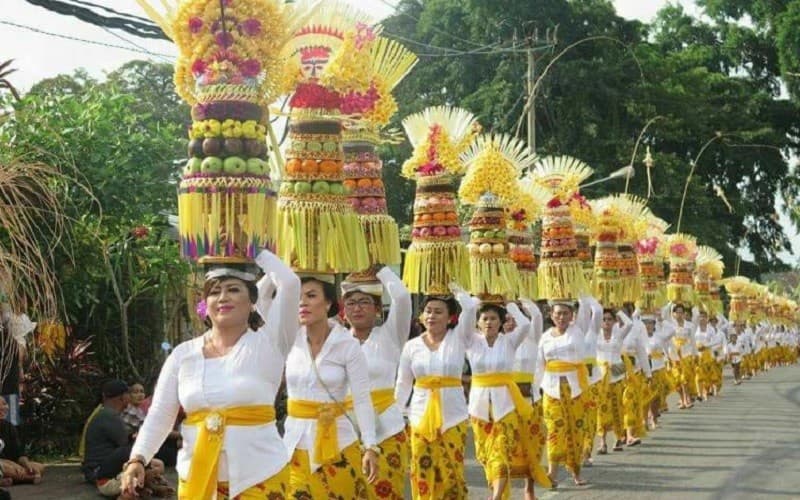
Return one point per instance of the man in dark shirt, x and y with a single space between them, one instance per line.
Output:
106 444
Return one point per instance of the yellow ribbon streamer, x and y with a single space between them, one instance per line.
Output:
326 442
506 379
432 419
559 366
202 480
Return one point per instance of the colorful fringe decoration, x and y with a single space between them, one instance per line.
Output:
431 266
383 239
231 217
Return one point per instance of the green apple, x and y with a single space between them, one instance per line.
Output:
302 187
337 188
321 187
500 234
476 235
211 165
234 165
287 187
489 234
256 166
193 166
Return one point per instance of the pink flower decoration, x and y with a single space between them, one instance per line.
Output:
251 27
202 309
195 25
199 67
224 39
250 68
364 34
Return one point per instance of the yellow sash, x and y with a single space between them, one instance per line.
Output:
522 377
657 355
202 480
558 366
326 442
382 400
432 419
629 368
506 379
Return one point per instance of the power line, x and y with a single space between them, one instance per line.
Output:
82 40
126 23
134 44
438 30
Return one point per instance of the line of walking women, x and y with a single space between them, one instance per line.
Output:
597 370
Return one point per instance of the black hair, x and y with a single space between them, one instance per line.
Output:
609 310
679 305
500 310
449 301
328 291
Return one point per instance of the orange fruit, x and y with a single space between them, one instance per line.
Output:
349 184
377 183
310 167
364 183
452 216
439 216
425 217
293 166
329 167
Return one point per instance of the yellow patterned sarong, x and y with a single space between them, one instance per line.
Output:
276 487
564 418
342 478
392 467
437 467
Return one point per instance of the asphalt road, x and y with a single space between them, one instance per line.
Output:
743 444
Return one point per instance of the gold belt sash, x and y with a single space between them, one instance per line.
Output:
506 379
432 418
382 400
211 424
559 366
326 442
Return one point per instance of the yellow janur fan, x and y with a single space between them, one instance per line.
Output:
494 163
560 272
437 255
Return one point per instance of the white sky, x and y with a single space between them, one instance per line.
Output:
39 56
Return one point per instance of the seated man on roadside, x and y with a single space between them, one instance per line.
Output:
107 445
16 467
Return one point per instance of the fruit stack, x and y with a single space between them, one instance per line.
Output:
650 268
680 283
606 282
521 251
635 217
437 256
494 162
318 230
708 269
229 75
584 219
560 272
493 275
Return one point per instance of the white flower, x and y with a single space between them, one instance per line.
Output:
214 422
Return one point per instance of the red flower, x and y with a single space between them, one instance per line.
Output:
459 456
383 489
313 95
140 232
195 25
199 67
250 68
422 487
554 203
251 27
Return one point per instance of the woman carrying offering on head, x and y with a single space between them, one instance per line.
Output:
325 364
227 380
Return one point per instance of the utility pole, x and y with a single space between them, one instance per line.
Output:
534 44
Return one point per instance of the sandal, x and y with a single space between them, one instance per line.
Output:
603 450
580 482
635 442
553 482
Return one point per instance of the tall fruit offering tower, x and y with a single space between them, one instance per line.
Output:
229 68
371 111
437 255
318 230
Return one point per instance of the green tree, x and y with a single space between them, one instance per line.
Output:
595 99
121 275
